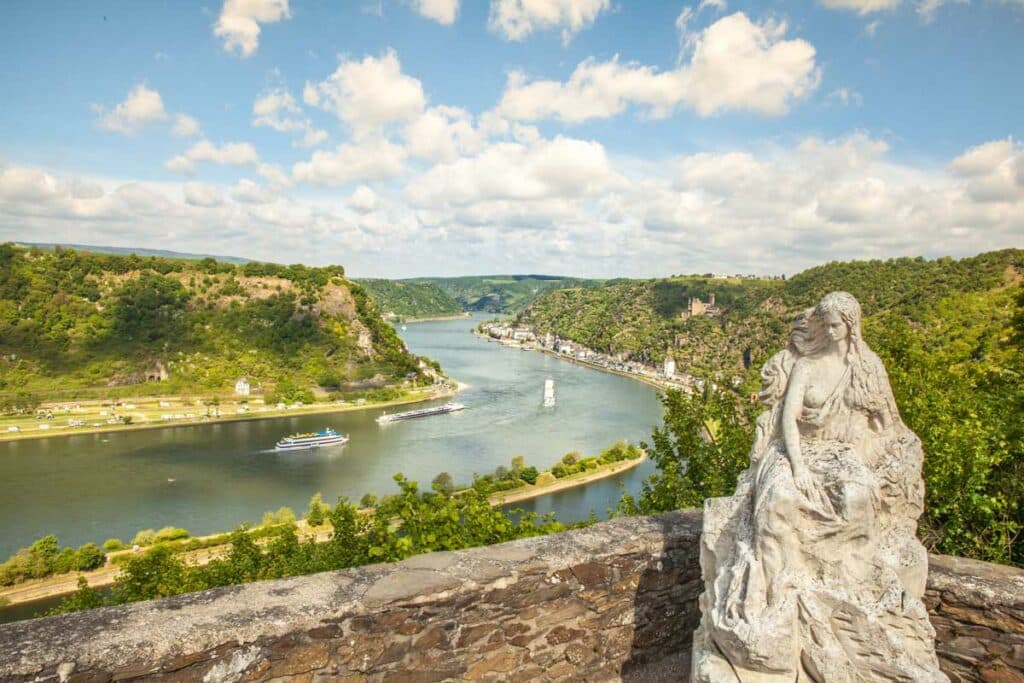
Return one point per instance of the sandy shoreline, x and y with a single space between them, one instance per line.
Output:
528 493
314 409
461 316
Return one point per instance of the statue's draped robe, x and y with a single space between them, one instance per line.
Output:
845 604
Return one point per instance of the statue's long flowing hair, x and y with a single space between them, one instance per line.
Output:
867 387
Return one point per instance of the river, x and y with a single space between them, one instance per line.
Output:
92 487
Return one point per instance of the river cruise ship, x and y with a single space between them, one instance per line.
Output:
321 439
422 412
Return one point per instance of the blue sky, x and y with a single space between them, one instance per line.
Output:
585 137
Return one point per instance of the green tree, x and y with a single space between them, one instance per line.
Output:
529 474
144 537
113 544
317 507
155 574
443 484
88 557
85 597
150 307
699 452
43 555
283 515
170 533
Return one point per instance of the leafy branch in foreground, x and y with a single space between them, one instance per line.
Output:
405 524
699 451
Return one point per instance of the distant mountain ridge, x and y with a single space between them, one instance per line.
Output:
500 293
404 299
164 253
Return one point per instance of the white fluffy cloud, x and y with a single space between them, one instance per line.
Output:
376 159
239 23
516 19
275 176
364 199
563 167
368 94
230 153
248 192
443 134
277 109
736 64
836 199
994 171
142 106
442 11
862 7
200 194
985 158
186 127
272 109
563 205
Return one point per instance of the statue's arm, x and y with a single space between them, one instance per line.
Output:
791 407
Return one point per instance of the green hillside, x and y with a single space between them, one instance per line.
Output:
951 333
78 324
641 318
404 299
500 293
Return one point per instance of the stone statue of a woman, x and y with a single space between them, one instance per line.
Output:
812 569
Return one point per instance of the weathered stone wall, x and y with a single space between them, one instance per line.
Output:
977 610
616 600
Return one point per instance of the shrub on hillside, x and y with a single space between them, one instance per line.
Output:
170 533
317 510
144 537
283 515
529 474
89 557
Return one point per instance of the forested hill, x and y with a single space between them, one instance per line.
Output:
642 318
404 299
951 335
500 293
77 322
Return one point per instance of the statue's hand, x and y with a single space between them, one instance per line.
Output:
804 482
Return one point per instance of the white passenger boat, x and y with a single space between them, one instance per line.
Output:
321 439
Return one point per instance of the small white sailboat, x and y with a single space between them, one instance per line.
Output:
549 393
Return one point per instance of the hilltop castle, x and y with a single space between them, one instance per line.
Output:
695 307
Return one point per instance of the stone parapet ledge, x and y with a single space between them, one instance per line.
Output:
615 600
590 603
977 610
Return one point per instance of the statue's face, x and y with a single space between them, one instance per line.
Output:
836 327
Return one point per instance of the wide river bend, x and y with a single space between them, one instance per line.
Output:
91 487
